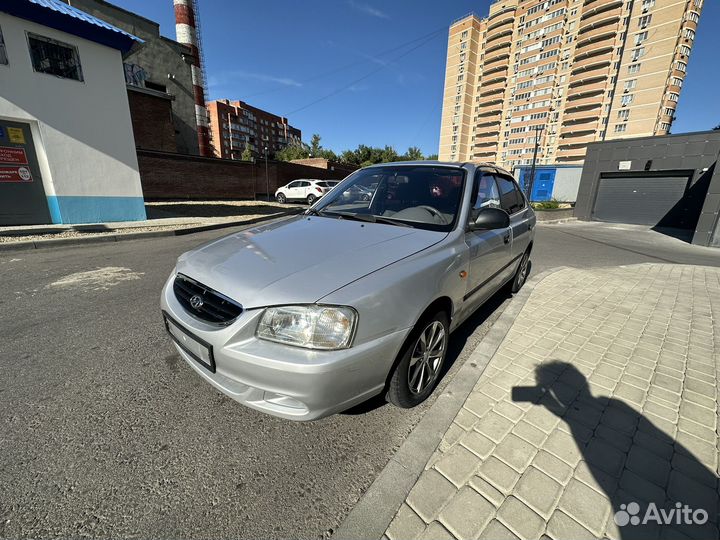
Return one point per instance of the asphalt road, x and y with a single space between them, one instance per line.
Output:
105 432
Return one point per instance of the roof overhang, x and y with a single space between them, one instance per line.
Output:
60 16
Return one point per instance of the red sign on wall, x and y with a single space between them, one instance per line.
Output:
15 174
16 156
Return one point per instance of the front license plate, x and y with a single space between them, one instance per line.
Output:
199 350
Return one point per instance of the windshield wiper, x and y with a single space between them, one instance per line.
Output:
391 221
313 212
349 215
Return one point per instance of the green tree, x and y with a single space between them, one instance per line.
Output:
247 154
315 147
432 157
293 151
413 154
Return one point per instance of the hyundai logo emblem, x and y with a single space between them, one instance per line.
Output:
196 302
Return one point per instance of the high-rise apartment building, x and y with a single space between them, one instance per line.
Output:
562 73
235 125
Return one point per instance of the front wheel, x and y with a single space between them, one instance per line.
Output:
421 361
280 198
311 199
522 273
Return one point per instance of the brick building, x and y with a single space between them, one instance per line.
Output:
580 71
235 125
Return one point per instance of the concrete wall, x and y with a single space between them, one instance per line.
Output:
82 130
174 176
698 152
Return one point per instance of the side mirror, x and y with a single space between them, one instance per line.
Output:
490 218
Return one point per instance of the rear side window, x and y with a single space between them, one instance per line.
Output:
511 200
3 50
304 184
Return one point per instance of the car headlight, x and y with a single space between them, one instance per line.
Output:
311 326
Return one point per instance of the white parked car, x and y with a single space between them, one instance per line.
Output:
302 190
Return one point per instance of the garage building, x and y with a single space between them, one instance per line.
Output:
67 153
670 183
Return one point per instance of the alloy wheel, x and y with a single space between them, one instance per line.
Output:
427 357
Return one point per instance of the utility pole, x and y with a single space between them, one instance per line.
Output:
531 180
267 177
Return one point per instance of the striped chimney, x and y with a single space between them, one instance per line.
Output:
187 33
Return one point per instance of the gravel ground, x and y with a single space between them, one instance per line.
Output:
198 212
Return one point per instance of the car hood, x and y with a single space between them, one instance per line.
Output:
299 260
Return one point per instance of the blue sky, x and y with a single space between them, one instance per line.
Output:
270 53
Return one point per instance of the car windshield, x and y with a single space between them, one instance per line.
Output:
423 196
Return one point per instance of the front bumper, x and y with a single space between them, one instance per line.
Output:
289 382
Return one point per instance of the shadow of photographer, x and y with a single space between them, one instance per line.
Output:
656 486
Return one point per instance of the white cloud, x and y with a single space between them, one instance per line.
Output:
367 9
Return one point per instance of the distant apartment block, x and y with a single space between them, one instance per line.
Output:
567 71
235 125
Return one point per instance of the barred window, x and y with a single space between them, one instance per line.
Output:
54 57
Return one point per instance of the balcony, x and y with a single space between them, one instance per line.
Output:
589 102
497 34
496 101
487 132
601 22
497 46
501 18
490 117
580 80
584 91
594 38
495 77
599 7
576 153
501 70
489 124
591 67
581 116
492 89
578 138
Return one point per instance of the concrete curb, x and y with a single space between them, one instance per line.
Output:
75 241
371 516
555 221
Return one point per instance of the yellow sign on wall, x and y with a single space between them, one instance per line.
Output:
16 135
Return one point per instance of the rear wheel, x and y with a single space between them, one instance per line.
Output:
280 198
421 361
311 199
522 273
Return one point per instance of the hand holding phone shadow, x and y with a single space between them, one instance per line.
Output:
656 486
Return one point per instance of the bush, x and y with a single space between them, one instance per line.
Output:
552 204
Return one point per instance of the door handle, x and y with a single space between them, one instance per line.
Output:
506 238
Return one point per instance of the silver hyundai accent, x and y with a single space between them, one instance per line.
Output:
308 316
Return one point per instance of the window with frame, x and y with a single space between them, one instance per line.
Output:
669 111
621 128
689 33
685 50
674 97
633 68
638 53
486 193
511 200
54 57
3 50
464 34
644 21
677 81
639 38
624 114
627 100
693 16
681 66
630 84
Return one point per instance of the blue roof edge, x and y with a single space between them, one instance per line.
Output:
61 16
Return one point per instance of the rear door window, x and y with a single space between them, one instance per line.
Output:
511 200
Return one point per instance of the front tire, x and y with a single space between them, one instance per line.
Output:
420 362
311 199
280 198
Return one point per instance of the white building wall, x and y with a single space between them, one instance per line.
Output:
82 130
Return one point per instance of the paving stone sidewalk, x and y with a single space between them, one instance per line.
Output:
603 394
